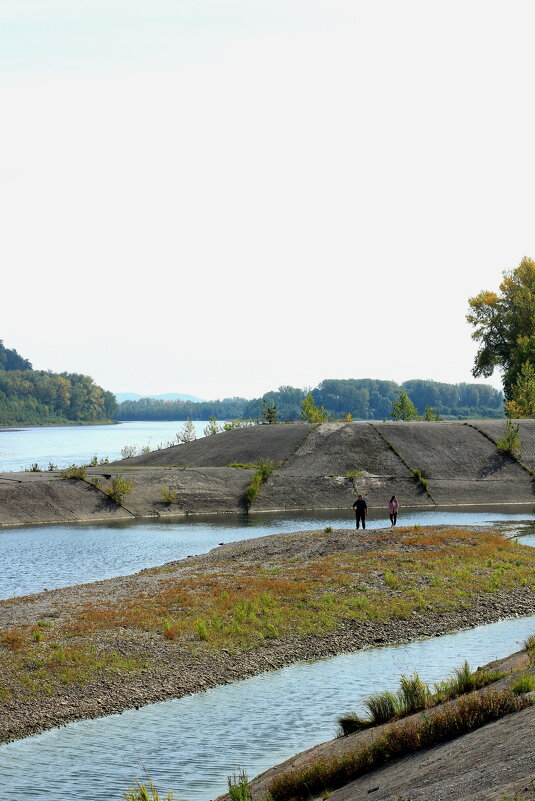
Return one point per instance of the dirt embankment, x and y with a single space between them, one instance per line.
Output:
244 608
316 467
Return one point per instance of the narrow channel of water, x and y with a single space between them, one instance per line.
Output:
37 557
190 745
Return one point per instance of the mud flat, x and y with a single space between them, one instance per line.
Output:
244 608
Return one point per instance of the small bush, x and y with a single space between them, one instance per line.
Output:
168 495
34 468
510 442
76 472
239 788
529 645
265 469
94 461
328 529
119 488
127 451
52 466
524 684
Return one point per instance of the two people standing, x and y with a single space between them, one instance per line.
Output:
361 511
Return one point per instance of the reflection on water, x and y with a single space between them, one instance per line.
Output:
192 744
37 557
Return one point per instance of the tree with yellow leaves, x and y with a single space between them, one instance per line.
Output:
504 324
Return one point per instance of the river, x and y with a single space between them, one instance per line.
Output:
35 558
20 448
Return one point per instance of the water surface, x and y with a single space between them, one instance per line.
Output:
192 744
20 448
34 558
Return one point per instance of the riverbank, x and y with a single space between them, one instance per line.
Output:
244 608
490 763
308 467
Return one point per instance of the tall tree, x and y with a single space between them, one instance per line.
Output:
504 324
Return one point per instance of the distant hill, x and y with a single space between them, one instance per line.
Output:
168 396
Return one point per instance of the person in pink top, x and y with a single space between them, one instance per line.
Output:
393 507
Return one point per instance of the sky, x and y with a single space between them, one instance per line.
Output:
220 197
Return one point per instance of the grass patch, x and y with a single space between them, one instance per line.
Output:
524 684
354 473
466 714
265 469
414 695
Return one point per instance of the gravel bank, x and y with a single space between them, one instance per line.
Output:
174 670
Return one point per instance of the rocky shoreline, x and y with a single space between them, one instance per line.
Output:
173 671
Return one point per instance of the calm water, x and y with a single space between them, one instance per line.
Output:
39 557
192 744
64 445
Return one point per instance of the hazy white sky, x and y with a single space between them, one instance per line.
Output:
218 197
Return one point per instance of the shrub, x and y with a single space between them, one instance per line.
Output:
127 451
524 684
74 471
168 495
510 442
212 428
328 529
34 468
239 788
94 461
187 433
52 466
265 469
119 488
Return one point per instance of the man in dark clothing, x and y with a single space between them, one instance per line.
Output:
361 511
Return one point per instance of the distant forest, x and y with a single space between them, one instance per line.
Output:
363 398
38 397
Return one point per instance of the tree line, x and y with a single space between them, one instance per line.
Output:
362 398
38 397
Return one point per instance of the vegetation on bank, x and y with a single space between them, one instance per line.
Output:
414 695
422 731
237 605
39 397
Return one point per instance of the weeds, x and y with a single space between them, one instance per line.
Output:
524 684
414 695
419 476
354 473
468 713
239 788
119 488
74 472
265 469
169 495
